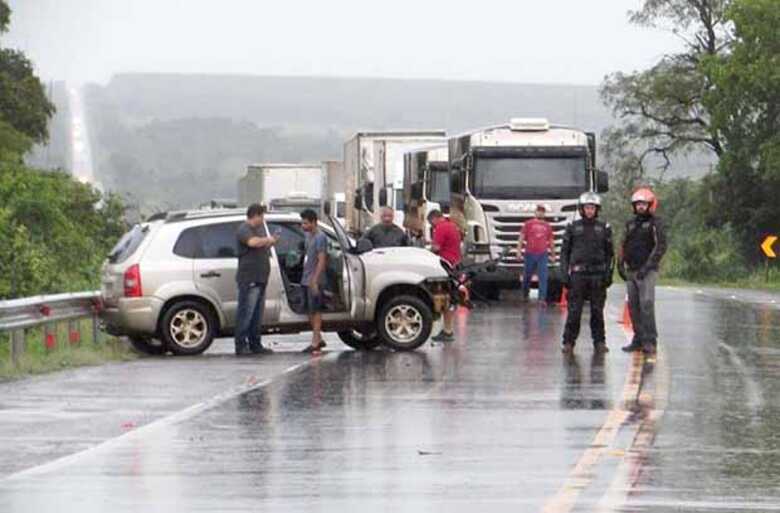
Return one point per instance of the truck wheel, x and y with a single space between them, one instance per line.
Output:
360 341
188 328
404 323
147 345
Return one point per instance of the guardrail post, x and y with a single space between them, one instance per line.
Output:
17 346
74 332
49 337
95 328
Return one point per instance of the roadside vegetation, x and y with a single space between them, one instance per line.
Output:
719 97
54 231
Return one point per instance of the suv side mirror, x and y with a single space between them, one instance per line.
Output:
602 181
364 245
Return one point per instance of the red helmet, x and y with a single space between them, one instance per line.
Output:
645 195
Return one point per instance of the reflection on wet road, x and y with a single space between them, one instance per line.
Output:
497 421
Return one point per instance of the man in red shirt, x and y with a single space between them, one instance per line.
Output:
446 244
536 242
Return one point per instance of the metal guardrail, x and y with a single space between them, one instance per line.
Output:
19 315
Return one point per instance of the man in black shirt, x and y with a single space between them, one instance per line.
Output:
386 234
587 263
644 244
252 277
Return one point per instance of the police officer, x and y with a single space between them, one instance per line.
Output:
643 246
587 262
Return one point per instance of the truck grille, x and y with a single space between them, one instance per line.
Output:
505 229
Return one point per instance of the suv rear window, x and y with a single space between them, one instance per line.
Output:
128 244
210 241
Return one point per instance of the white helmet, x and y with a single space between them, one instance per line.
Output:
589 198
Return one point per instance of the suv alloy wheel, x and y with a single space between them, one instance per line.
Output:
188 327
405 323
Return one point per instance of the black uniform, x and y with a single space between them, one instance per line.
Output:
587 261
382 236
643 246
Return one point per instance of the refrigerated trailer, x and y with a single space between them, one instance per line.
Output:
373 172
276 181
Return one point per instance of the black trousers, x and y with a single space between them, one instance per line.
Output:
586 286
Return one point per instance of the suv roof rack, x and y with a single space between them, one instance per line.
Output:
183 215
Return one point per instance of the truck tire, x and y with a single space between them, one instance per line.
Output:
188 328
404 323
147 345
360 341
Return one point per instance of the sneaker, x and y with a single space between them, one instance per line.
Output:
243 350
567 348
260 350
443 336
600 347
632 347
312 349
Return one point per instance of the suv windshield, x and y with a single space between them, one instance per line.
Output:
529 177
128 244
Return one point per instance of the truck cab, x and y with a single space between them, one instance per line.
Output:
426 188
499 174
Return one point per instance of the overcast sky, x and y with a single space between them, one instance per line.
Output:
538 41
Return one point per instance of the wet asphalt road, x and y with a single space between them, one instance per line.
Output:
497 421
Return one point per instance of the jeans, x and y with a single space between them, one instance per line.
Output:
249 315
641 307
535 264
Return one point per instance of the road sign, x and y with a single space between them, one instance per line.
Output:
766 246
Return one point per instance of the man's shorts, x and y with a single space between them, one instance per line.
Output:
312 303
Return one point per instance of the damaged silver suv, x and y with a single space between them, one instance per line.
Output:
169 285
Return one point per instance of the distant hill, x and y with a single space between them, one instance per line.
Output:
173 140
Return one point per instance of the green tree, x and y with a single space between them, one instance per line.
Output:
745 107
23 102
661 109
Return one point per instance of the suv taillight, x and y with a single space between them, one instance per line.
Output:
133 281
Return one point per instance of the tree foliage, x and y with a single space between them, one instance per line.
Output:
745 107
661 109
54 231
5 16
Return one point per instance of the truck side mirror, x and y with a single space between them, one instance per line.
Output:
417 191
602 182
382 197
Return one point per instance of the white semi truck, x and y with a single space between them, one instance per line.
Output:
426 188
333 197
283 186
373 172
497 177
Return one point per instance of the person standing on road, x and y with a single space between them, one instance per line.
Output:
313 279
446 244
641 251
252 277
587 263
386 234
536 245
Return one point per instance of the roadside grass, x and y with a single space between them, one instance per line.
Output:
757 280
37 359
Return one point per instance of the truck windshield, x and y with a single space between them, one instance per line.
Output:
439 188
529 177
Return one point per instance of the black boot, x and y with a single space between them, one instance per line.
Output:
635 345
242 349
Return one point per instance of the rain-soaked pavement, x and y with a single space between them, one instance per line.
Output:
497 421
